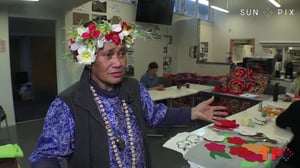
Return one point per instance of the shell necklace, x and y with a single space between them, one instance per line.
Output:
117 141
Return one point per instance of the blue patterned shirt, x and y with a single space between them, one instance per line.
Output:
57 137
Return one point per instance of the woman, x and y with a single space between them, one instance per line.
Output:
100 121
289 118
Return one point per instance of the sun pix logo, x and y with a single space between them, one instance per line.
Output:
267 12
276 152
287 154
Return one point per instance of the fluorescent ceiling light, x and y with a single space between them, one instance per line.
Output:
275 3
219 9
32 0
203 2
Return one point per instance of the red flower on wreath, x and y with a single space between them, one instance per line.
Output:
125 26
114 36
92 33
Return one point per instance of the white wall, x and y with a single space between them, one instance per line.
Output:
6 97
185 35
146 51
261 27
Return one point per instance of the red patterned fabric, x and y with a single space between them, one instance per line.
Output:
241 73
196 78
261 83
235 105
241 80
226 90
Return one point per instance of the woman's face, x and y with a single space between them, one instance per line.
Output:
109 66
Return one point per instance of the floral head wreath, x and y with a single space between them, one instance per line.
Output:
85 40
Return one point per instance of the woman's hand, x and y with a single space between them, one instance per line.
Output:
205 111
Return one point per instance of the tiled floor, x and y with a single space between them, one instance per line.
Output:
27 133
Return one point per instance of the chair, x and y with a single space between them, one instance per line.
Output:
3 118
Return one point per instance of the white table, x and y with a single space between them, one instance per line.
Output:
202 158
200 87
170 93
270 129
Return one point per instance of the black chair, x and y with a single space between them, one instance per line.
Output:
3 118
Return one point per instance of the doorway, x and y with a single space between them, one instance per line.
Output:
33 66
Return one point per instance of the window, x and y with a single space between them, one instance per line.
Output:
193 8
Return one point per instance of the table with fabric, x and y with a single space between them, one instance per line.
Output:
235 102
236 149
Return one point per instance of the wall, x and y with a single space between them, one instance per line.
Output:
261 27
186 36
188 32
6 97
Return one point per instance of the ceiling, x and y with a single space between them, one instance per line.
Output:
62 5
56 5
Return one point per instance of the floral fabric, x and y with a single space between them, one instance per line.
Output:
241 79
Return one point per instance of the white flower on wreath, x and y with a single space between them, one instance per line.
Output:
86 55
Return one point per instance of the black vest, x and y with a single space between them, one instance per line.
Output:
91 142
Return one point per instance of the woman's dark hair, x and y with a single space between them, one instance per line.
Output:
153 65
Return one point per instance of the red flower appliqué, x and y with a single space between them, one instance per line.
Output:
246 154
215 147
236 140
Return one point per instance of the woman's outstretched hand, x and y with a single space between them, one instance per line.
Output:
205 111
